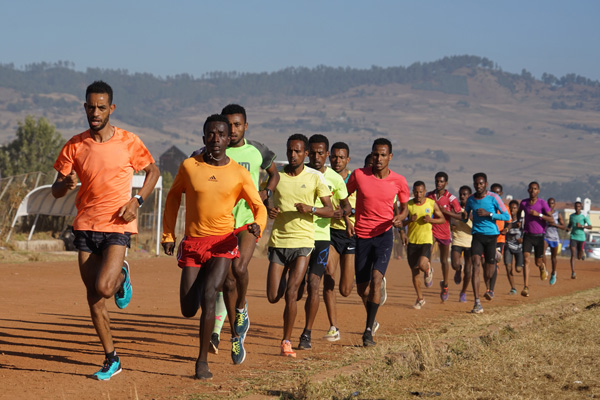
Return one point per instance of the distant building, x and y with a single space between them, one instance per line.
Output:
174 156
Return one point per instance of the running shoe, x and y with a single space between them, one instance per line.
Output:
543 273
525 292
214 343
458 275
489 295
463 297
375 327
238 353
429 277
513 291
286 349
573 275
477 308
367 339
444 292
305 342
552 278
123 295
242 322
419 304
109 369
332 335
383 292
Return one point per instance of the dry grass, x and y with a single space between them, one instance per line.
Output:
544 350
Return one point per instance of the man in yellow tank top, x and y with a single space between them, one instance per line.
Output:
421 213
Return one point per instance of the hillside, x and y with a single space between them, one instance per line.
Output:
460 114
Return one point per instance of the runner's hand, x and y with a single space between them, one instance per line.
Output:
273 212
71 180
338 213
254 229
129 211
168 248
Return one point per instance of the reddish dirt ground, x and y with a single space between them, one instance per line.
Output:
49 349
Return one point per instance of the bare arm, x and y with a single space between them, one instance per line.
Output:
272 182
63 184
129 211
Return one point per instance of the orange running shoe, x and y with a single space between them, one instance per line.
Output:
286 349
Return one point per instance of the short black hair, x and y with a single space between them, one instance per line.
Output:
441 174
479 175
217 118
418 183
231 109
300 137
467 188
318 138
533 183
341 145
496 185
100 87
513 202
550 198
382 142
367 159
578 202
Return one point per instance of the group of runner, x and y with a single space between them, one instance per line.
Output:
323 217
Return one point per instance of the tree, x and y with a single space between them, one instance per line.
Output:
35 148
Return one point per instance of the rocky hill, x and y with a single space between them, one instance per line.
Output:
459 114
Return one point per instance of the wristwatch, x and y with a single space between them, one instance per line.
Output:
139 199
491 215
313 210
269 193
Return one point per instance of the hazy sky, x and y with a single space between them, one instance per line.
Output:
169 38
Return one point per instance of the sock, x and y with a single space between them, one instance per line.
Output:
371 313
112 356
220 314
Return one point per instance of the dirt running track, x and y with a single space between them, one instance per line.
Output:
48 347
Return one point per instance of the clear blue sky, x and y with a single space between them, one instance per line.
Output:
194 37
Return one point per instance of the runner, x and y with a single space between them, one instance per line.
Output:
461 245
552 239
212 183
343 245
536 212
317 154
253 156
421 210
450 207
104 158
500 244
577 223
376 189
487 207
514 245
293 234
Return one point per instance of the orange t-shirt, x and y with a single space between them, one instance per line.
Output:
105 171
211 193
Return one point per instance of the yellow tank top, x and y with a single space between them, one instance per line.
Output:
419 232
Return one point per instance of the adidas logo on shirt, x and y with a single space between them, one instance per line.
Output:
212 179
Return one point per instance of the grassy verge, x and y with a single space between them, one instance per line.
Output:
548 349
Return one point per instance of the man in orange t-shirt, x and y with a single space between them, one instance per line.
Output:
213 183
104 159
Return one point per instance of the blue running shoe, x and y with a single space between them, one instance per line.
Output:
553 278
477 308
108 370
242 322
123 296
238 353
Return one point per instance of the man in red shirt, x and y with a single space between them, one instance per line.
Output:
450 207
376 189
